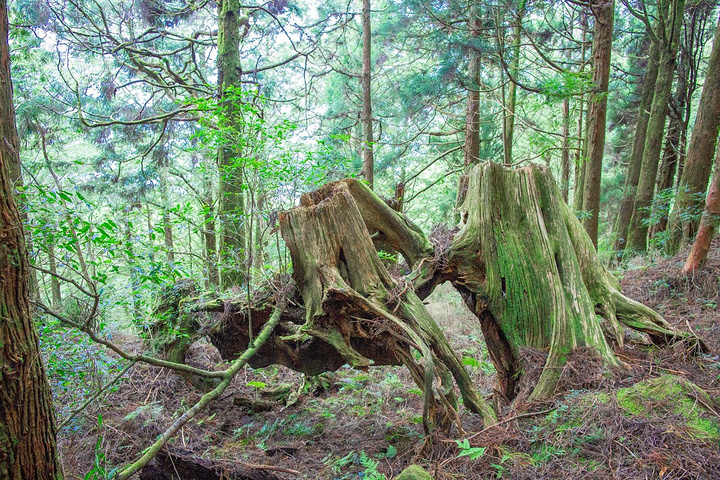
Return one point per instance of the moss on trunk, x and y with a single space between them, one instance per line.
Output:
534 276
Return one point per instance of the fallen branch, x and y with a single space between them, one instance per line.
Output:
205 400
97 394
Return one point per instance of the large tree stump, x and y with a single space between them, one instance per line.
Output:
521 260
533 277
349 295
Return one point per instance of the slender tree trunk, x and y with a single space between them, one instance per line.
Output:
368 161
212 279
509 117
672 154
135 308
581 155
150 232
231 202
602 48
54 282
699 155
708 224
669 32
472 110
27 417
627 203
166 223
565 175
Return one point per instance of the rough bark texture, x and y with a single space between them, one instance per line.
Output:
368 161
602 48
471 147
708 224
27 423
696 171
340 276
231 203
627 204
669 33
212 278
533 272
581 155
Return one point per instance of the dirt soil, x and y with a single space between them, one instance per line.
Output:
368 424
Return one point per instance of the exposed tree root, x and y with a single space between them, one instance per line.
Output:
521 261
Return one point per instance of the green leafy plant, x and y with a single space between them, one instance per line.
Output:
468 451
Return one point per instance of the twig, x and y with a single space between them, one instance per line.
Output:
510 419
97 394
181 367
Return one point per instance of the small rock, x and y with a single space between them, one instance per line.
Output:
414 472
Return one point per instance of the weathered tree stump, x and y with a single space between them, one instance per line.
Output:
521 260
349 295
533 278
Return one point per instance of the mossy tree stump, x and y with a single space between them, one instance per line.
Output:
350 297
533 278
521 260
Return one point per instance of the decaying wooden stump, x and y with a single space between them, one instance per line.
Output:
521 260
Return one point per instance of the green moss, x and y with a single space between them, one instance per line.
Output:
414 472
671 395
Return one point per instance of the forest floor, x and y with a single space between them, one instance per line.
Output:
657 419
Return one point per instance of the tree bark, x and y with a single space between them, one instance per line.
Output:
602 48
509 116
471 149
565 162
212 278
27 421
696 170
627 203
581 155
534 278
368 147
521 260
668 32
166 223
708 224
231 202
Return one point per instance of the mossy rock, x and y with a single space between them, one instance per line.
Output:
414 472
672 395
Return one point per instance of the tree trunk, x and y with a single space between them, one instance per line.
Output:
627 203
669 32
581 155
368 161
522 261
698 253
212 278
602 48
509 116
565 163
698 163
54 282
166 223
231 203
27 417
341 278
471 149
